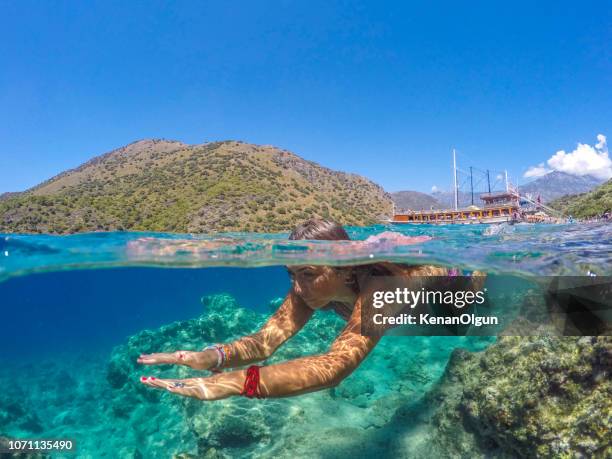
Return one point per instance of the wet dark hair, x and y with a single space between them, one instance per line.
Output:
317 229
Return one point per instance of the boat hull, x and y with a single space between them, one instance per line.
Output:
485 221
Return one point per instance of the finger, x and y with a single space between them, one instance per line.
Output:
151 381
148 380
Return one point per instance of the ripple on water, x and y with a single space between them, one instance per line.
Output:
575 249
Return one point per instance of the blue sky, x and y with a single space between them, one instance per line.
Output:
381 89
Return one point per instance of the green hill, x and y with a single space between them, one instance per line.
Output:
588 204
160 185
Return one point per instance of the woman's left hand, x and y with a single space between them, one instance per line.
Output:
213 388
192 387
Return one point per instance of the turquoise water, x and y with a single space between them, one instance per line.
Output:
77 310
573 249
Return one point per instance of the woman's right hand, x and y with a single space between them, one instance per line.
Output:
200 360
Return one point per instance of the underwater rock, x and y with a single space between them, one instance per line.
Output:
17 411
358 391
10 410
539 396
230 426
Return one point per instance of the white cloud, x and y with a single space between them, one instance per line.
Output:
583 160
499 177
536 171
434 189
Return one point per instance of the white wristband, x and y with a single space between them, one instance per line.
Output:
219 355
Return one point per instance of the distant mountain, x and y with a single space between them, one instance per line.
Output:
557 184
446 199
161 185
594 202
413 200
550 186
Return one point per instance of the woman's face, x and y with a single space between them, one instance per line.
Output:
318 285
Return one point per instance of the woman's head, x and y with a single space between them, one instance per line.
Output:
322 230
320 285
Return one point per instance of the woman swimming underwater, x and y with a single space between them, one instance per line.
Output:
343 289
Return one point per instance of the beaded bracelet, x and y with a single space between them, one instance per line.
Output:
221 349
222 356
225 348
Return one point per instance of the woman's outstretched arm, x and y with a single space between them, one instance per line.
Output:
294 377
290 317
312 373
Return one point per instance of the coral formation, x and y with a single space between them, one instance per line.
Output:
538 396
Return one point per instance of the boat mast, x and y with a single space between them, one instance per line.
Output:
472 184
506 176
488 181
456 196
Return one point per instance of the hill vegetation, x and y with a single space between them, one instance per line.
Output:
588 204
159 185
